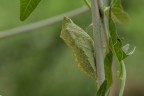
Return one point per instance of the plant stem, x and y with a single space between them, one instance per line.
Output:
40 24
98 46
123 79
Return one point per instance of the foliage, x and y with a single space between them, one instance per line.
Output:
27 7
115 44
82 44
115 14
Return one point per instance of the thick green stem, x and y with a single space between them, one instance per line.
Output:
98 45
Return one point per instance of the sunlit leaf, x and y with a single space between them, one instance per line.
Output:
81 44
27 7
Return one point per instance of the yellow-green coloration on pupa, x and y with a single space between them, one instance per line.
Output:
81 44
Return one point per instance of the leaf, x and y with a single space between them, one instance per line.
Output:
117 3
102 89
108 68
119 52
81 44
119 15
113 34
116 45
115 42
27 7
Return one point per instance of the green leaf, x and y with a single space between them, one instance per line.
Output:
81 44
113 34
108 68
116 44
102 89
116 47
119 15
27 7
117 3
119 52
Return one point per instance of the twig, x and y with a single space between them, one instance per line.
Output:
97 34
40 24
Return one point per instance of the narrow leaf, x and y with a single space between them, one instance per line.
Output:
115 42
27 7
108 68
81 44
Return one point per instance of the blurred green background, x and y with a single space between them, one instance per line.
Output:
40 64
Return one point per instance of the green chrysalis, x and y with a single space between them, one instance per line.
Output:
81 44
